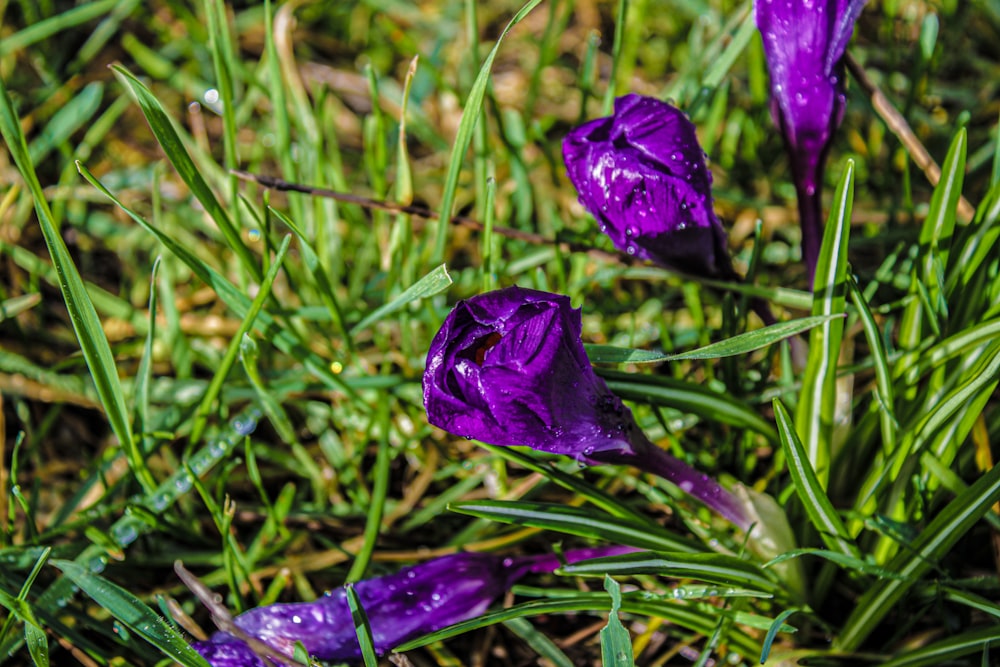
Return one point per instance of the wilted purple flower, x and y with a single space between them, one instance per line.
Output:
804 41
401 606
508 368
642 174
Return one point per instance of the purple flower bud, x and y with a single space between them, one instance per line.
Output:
401 606
804 41
642 174
508 368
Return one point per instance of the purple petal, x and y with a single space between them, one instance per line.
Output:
642 174
401 606
508 368
225 650
412 602
804 41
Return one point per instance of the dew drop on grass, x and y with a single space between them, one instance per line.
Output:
159 502
124 533
216 448
97 564
183 484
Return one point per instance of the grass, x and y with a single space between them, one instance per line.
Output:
154 308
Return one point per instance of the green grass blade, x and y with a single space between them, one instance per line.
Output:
14 306
686 616
38 645
433 283
54 25
741 344
76 113
933 543
885 396
323 284
716 74
576 521
938 228
86 323
131 611
470 115
163 129
818 398
814 499
980 380
711 568
952 347
361 627
772 632
539 643
616 644
235 299
233 351
574 483
688 397
950 650
144 374
376 507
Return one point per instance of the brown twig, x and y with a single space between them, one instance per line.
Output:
758 305
899 127
224 620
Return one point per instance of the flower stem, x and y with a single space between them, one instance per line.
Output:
698 485
810 220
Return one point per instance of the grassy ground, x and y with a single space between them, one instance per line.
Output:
152 303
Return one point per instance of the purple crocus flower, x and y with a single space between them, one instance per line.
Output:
225 650
804 41
508 368
642 174
401 606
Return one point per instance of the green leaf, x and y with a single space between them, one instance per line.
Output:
361 626
772 632
55 24
857 564
86 323
135 615
14 306
948 651
576 521
933 543
688 397
818 398
574 483
885 397
433 283
937 230
616 644
713 568
699 620
538 641
76 113
741 344
814 499
38 645
163 128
